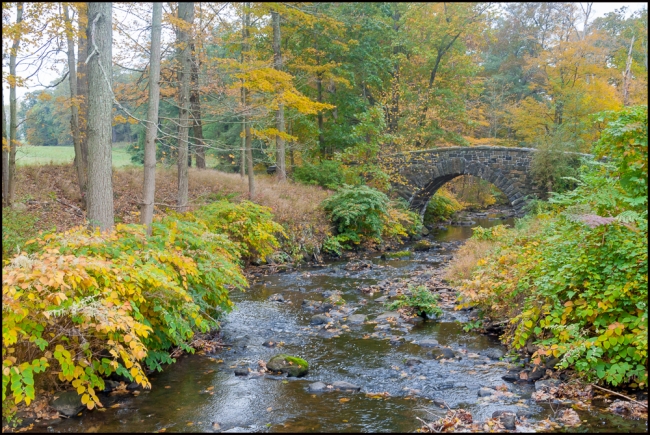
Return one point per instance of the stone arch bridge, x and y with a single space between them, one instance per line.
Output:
417 175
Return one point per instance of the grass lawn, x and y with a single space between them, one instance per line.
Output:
39 155
27 155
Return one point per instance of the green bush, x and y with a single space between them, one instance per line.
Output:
441 207
421 301
17 228
90 304
249 225
327 173
576 276
358 213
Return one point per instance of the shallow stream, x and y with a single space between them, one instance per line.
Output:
201 393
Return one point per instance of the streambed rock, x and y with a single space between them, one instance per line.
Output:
320 319
67 403
387 315
507 418
277 297
356 319
442 353
317 386
422 245
291 365
486 392
547 384
345 386
357 265
492 353
428 342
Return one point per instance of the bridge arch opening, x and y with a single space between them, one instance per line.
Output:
446 170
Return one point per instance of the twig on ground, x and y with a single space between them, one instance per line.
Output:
619 394
74 207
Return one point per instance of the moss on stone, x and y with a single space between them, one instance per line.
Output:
299 361
292 365
398 254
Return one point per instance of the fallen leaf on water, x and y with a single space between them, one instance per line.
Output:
167 386
344 399
345 421
209 388
189 423
269 409
285 382
208 372
116 405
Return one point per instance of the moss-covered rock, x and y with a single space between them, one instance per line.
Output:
422 245
393 255
292 365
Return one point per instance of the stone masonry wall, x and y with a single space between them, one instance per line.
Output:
418 175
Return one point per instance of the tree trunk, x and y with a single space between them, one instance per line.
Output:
249 162
149 190
281 171
185 13
291 148
5 156
321 137
247 128
82 89
100 107
393 112
242 158
13 112
74 108
627 75
195 103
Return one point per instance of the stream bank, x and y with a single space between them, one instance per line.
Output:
396 369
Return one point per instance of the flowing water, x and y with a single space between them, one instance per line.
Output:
200 393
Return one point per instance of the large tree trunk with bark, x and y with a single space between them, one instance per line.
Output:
195 103
185 13
13 113
74 108
281 171
100 116
149 190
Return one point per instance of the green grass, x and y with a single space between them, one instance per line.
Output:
38 155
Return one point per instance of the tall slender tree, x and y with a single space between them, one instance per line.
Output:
146 215
195 103
13 109
247 125
82 83
281 171
74 107
186 18
5 155
100 105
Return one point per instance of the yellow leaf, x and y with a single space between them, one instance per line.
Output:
344 399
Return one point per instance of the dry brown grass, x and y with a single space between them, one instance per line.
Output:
295 206
464 261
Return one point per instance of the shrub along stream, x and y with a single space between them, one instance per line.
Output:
572 278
